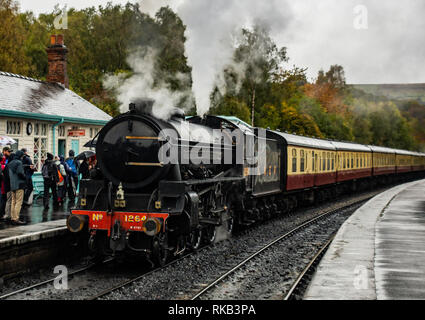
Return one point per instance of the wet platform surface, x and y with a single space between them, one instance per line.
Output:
40 223
36 214
379 253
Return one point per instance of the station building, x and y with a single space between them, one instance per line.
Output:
45 116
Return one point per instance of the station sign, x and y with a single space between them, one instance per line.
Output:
76 133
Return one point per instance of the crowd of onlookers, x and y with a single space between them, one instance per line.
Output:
60 178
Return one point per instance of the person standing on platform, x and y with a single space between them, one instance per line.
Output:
3 198
29 172
72 177
7 191
17 186
62 182
7 151
51 178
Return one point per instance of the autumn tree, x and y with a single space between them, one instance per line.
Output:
12 39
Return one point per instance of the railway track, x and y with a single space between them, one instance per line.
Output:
142 276
147 274
224 276
277 240
50 281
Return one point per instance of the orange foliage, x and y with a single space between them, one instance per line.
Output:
328 96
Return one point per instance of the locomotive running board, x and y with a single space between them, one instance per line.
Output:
143 164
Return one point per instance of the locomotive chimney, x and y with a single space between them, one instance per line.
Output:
143 106
57 58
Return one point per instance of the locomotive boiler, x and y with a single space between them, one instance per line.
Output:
161 187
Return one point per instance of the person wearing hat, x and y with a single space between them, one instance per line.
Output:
29 172
17 186
51 178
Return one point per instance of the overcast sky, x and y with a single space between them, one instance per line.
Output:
319 33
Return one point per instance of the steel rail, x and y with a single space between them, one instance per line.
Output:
313 262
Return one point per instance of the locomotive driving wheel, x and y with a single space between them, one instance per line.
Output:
160 251
195 239
210 234
229 223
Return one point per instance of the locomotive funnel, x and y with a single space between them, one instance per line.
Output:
142 106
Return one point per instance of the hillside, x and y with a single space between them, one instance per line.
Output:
414 91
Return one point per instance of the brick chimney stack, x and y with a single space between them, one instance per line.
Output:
57 58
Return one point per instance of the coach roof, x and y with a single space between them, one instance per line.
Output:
348 146
295 140
377 149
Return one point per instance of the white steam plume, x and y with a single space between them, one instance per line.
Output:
141 85
213 26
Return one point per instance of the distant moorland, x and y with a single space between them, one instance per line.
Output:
412 91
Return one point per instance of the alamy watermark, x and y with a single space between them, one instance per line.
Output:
361 279
61 281
200 146
361 17
61 19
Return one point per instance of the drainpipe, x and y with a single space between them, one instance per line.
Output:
54 134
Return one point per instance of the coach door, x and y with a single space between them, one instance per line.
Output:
75 145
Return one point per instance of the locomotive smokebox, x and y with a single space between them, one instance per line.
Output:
128 147
142 106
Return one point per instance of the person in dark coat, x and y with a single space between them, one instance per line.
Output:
51 178
85 169
6 187
3 198
17 186
29 172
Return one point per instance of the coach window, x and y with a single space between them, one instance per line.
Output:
333 161
328 156
302 159
316 157
343 161
323 161
352 161
306 161
357 160
312 162
294 160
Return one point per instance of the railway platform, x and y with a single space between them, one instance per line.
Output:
379 253
45 237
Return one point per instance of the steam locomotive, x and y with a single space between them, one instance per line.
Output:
141 202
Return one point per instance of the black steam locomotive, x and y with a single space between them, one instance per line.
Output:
141 203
